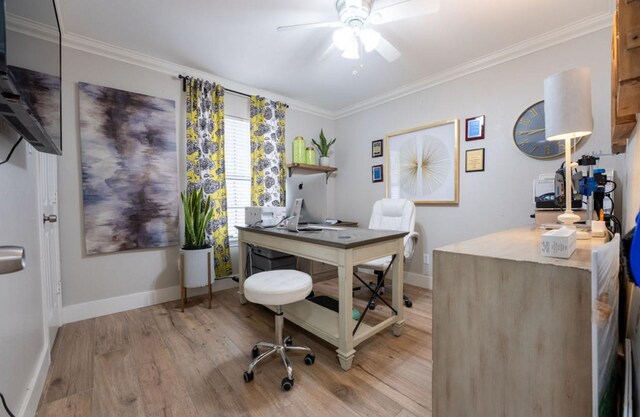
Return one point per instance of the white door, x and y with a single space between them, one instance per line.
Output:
49 244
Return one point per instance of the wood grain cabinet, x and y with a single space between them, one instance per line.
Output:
625 72
512 329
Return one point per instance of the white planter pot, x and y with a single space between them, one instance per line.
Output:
195 269
324 161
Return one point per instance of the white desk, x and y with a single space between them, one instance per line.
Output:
332 247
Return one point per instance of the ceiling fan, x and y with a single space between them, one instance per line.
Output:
353 32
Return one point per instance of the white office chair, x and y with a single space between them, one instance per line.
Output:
392 214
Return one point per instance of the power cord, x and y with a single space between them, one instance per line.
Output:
11 151
4 403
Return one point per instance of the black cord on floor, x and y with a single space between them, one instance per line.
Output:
11 151
6 407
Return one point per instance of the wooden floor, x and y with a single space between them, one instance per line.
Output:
159 362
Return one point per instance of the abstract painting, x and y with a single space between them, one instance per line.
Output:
42 92
422 163
129 170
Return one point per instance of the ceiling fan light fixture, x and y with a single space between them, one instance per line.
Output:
342 38
370 39
352 51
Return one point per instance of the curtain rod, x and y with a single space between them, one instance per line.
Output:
184 79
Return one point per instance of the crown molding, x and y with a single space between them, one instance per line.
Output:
529 46
92 46
32 28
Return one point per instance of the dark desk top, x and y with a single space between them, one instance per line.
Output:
345 239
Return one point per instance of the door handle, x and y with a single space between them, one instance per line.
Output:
52 218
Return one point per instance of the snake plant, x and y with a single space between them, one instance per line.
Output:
324 146
197 214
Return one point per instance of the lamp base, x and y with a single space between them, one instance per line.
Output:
568 218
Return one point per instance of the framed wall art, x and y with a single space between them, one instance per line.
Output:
377 148
376 173
474 128
129 170
423 163
474 160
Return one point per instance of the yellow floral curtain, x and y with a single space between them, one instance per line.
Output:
205 162
268 164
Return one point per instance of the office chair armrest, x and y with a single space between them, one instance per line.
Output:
410 242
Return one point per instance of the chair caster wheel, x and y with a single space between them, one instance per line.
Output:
255 352
309 359
408 303
288 341
248 376
372 306
287 384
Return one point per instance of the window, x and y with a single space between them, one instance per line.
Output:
237 154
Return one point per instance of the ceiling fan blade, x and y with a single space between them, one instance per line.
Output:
402 9
336 24
387 51
327 52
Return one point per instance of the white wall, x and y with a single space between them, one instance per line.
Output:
87 279
632 181
500 197
22 344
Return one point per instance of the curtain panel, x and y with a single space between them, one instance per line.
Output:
268 164
205 162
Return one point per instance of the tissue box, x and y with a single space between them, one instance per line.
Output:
559 243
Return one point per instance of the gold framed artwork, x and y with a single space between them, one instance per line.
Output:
422 164
474 160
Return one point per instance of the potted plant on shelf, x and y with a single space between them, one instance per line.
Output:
196 256
323 147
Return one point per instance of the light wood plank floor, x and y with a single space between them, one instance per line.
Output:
159 362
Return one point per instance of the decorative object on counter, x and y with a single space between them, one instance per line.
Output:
567 108
474 128
377 148
311 156
299 147
422 163
324 147
376 173
474 160
196 255
129 170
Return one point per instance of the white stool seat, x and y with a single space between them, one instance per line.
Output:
278 287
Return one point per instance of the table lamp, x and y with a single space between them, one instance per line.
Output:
567 112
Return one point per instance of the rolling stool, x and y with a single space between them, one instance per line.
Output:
277 288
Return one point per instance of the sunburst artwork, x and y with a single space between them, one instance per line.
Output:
423 164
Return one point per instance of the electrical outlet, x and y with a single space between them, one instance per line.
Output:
59 288
427 259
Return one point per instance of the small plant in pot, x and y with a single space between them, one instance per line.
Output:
323 148
196 256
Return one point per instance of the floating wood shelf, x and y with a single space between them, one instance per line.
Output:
311 169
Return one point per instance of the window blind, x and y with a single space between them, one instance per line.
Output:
237 151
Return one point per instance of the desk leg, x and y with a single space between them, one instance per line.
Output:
242 256
345 318
398 288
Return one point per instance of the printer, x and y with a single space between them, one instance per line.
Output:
264 216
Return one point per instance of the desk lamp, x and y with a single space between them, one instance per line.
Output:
567 109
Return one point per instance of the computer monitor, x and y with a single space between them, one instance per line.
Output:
313 190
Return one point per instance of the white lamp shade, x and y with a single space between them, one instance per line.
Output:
567 104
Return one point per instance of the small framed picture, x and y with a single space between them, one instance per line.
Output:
376 173
474 160
376 148
475 128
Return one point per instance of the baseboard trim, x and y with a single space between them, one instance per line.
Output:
97 308
418 280
36 386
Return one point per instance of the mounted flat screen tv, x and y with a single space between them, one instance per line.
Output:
30 71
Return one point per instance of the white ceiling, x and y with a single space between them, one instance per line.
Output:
237 39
